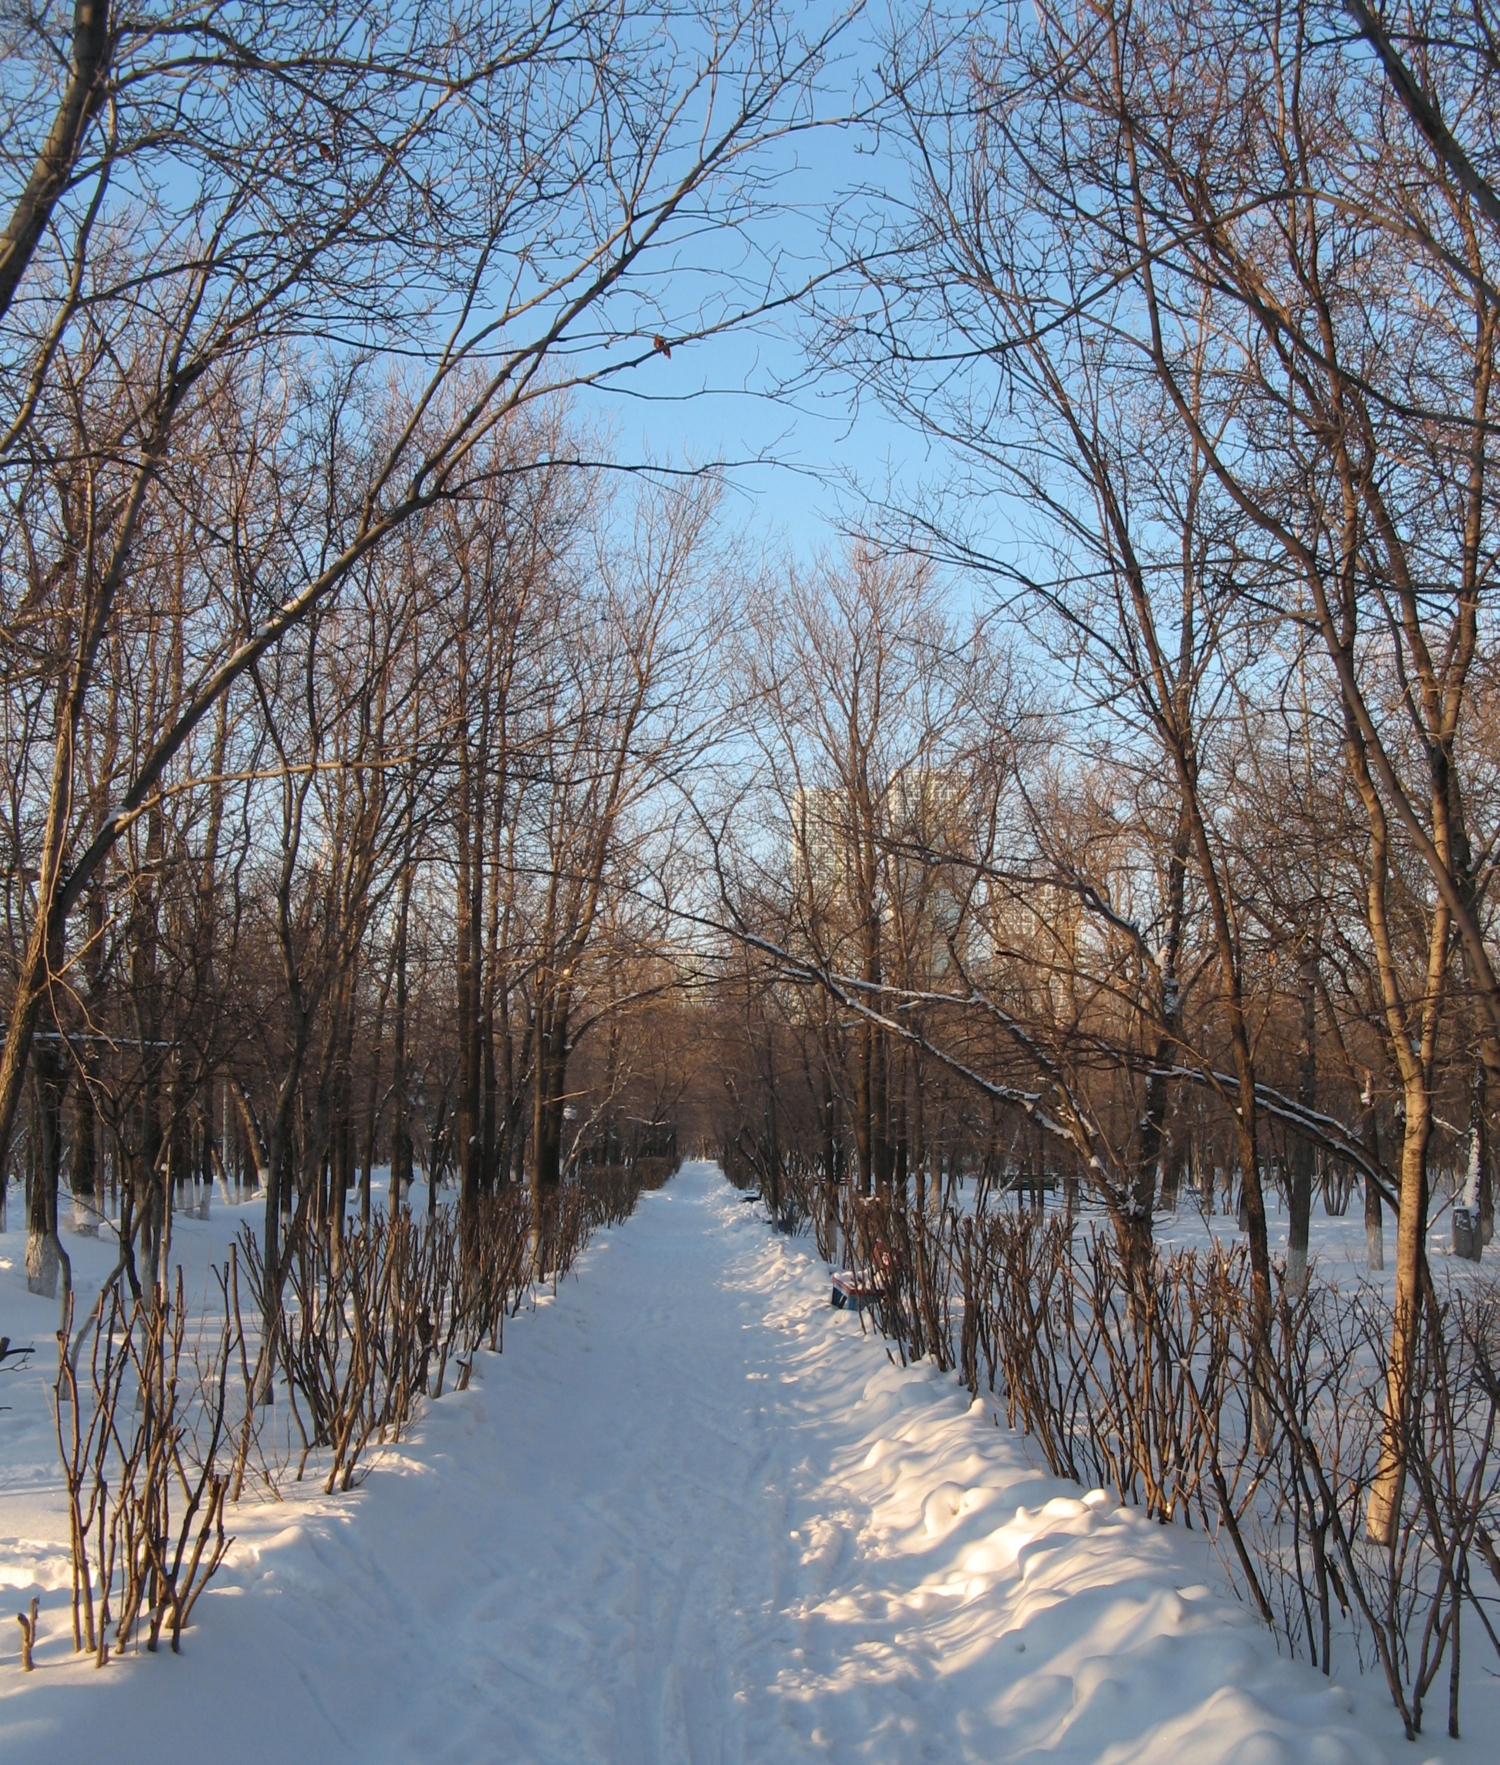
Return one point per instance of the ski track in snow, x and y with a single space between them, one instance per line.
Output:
694 1515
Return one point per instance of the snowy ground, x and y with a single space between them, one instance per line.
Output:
691 1514
1337 1243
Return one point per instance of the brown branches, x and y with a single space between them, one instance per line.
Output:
150 1451
1156 1384
143 1443
368 1325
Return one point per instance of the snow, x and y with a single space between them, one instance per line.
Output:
694 1514
1336 1243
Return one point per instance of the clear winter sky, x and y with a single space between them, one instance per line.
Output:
801 454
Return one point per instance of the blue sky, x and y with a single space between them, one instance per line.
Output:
798 459
801 452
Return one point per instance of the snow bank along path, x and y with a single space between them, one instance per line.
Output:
692 1514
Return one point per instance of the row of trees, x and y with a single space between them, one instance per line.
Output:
354 731
1185 853
391 913
332 670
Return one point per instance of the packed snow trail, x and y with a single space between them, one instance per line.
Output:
692 1514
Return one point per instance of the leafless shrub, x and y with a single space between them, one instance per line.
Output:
1153 1387
149 1451
142 1446
906 1255
372 1319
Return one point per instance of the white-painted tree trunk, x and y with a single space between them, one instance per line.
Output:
41 1264
1296 1270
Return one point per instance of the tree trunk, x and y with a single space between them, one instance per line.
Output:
1300 1185
547 1123
1383 1512
1374 1229
401 1161
546 1128
84 1177
863 1108
44 1251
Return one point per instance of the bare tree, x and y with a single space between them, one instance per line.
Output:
488 235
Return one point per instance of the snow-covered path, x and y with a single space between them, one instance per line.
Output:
691 1514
